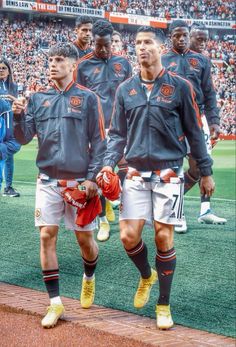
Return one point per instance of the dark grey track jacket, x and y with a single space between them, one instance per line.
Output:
70 129
196 68
103 77
153 131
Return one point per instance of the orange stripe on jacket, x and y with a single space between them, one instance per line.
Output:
193 94
100 111
101 119
85 57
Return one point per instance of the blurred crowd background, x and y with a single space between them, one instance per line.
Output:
25 41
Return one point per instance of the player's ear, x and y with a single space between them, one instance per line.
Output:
161 48
74 66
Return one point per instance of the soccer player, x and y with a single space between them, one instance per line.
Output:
102 72
69 125
83 41
116 43
199 37
153 111
197 69
8 91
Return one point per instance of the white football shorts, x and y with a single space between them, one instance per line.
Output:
207 136
162 202
50 208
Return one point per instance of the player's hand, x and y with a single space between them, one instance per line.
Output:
214 131
8 97
91 188
18 106
207 186
107 168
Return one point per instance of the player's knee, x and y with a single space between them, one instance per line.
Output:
48 237
85 240
128 237
164 238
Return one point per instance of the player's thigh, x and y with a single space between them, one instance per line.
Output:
49 205
136 202
168 201
207 134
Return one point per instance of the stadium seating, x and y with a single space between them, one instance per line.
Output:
25 44
202 9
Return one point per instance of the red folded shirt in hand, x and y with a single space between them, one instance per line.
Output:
87 210
109 183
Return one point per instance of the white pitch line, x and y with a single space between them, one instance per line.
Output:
25 182
186 197
212 198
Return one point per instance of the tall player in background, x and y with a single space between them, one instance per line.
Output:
102 72
83 29
197 69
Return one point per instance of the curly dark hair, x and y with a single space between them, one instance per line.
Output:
102 28
66 50
178 24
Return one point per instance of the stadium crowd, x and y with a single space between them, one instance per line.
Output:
25 44
203 9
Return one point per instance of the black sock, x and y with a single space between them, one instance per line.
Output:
189 181
165 264
90 266
139 256
51 280
103 202
205 198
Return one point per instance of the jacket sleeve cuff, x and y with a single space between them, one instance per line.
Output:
206 171
109 162
213 120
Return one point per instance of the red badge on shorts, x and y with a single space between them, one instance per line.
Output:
117 67
193 62
76 101
167 90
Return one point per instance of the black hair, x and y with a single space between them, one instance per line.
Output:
102 28
83 20
9 80
198 26
178 24
66 50
159 34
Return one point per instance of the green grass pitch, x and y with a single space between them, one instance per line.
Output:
204 284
